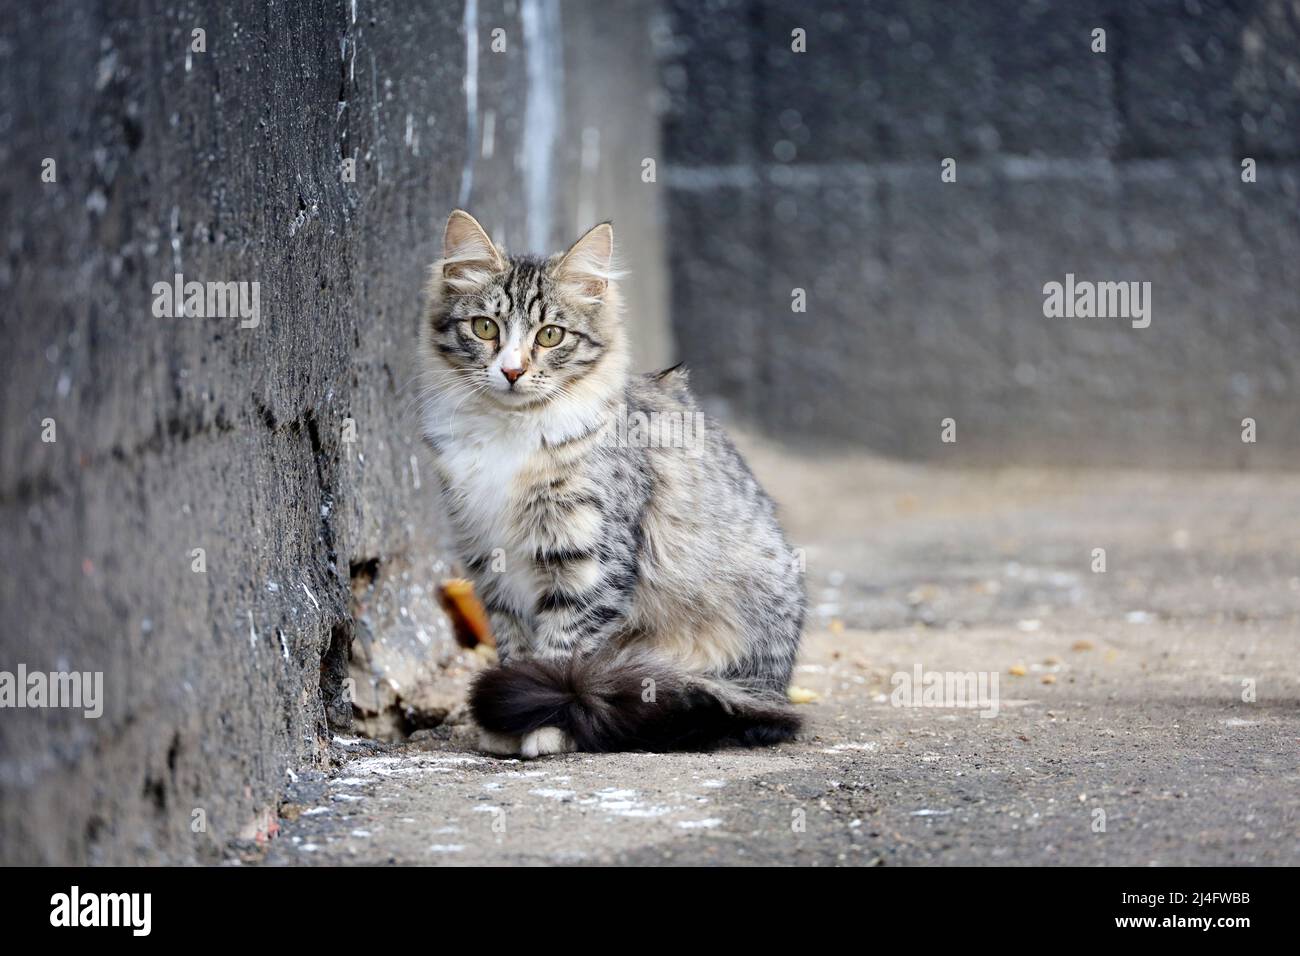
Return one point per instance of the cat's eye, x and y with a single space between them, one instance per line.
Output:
550 336
485 328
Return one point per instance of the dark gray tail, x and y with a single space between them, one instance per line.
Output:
627 702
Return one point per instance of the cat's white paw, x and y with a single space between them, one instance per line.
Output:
502 745
545 740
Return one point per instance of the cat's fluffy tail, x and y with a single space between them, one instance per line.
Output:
627 702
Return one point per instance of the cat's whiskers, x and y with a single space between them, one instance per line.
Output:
476 388
443 382
447 385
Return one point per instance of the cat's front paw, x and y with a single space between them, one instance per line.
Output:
546 740
500 745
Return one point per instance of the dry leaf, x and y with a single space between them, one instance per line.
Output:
469 619
802 695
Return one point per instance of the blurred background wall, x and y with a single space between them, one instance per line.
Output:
821 171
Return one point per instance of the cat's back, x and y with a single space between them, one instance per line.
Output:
719 583
699 478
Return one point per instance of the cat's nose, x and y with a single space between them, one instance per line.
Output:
511 374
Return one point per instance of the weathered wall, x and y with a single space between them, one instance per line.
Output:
176 434
821 170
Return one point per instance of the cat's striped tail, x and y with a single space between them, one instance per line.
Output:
627 701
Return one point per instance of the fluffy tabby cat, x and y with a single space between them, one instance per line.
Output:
642 597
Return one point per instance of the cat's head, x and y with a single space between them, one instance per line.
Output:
519 331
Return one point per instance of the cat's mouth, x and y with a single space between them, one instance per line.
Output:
520 395
524 390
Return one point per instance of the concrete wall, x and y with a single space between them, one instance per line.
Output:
821 171
176 434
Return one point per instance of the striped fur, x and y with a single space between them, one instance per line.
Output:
606 557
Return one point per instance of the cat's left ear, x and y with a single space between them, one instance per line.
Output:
585 271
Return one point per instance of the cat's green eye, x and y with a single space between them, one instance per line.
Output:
485 328
550 336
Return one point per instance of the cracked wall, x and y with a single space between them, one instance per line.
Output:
226 513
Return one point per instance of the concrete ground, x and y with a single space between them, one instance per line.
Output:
1145 714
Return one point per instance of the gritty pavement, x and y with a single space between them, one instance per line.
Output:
1147 714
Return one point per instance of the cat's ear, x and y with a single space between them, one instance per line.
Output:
469 257
585 271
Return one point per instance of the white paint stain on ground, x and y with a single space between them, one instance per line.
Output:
551 793
623 803
418 765
851 748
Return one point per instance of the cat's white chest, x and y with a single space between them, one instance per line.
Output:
481 456
480 467
481 460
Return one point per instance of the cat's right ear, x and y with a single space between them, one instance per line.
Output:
469 257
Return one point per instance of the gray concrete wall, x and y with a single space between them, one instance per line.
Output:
176 434
821 170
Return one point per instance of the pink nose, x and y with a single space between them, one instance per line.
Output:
511 374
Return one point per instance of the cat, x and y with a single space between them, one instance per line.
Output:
641 591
